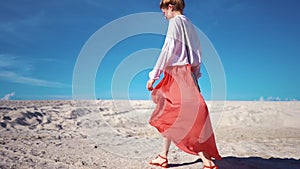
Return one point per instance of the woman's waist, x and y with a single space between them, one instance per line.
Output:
180 65
176 68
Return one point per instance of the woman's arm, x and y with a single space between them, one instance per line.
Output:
196 71
166 52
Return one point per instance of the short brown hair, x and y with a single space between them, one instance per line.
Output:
178 4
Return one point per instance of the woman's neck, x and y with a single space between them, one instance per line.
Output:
176 13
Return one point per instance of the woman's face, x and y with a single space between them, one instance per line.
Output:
168 12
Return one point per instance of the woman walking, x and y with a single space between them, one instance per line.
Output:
181 114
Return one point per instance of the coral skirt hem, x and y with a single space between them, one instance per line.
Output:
181 113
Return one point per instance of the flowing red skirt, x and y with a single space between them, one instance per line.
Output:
181 113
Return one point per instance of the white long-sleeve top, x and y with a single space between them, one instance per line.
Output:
174 51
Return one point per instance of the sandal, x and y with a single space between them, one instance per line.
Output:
163 165
210 167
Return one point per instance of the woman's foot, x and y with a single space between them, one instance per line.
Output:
160 161
208 164
210 167
207 161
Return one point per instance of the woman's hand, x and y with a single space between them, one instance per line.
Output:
150 83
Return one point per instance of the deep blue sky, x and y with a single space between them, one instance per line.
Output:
257 42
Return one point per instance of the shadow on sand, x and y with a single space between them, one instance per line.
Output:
249 163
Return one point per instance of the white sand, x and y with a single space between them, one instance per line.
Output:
116 134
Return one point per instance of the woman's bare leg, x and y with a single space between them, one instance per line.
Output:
206 159
164 153
166 147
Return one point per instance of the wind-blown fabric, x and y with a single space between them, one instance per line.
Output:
181 113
